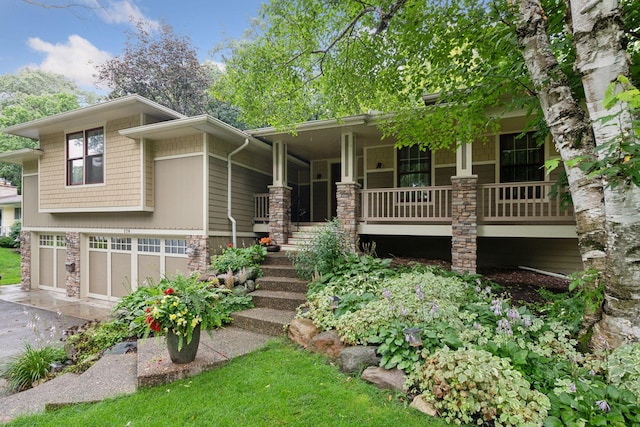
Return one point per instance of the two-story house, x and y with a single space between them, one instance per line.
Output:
128 190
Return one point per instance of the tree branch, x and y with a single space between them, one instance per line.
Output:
386 17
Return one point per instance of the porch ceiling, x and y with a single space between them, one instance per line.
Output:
321 139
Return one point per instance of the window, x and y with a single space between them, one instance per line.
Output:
61 241
46 240
521 158
98 242
85 157
414 167
17 214
121 243
175 246
149 245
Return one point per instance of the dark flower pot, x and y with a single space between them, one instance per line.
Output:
273 248
187 353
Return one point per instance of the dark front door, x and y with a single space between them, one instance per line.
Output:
336 171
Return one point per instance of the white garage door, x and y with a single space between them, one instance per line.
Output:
52 254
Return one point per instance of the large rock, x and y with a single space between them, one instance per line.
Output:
419 403
355 359
392 379
301 331
327 343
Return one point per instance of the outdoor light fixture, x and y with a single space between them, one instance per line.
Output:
412 336
334 301
70 267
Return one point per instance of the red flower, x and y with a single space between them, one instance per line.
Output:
153 325
230 245
169 291
148 310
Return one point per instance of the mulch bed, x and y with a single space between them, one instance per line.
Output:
523 285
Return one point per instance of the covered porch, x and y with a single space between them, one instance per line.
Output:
348 170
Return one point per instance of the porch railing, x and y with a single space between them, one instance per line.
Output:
521 202
261 207
427 204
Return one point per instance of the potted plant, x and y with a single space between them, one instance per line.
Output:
180 308
269 244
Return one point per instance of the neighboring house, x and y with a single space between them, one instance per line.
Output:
127 190
10 207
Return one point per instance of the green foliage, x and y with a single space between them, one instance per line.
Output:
591 402
7 242
15 230
326 250
590 288
32 365
473 386
94 340
354 265
235 259
623 368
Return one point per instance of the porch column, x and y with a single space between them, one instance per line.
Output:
349 210
464 223
464 160
279 196
72 264
25 260
198 253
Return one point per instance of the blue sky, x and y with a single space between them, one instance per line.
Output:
69 40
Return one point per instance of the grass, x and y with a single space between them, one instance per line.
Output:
278 385
9 266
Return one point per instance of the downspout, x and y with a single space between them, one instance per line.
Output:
231 218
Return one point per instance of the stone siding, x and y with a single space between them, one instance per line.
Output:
25 260
348 210
198 252
279 214
464 223
73 257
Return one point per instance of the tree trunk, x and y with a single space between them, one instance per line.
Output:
598 37
571 131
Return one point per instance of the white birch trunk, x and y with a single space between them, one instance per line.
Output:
569 127
598 35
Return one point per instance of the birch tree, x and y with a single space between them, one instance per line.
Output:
330 59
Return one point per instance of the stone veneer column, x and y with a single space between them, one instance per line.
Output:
73 258
279 213
198 252
348 209
464 223
25 260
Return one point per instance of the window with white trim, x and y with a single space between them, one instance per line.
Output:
85 157
98 242
17 214
175 246
121 243
46 240
61 241
149 245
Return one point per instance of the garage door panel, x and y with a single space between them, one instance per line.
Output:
46 267
148 268
98 273
61 271
174 265
120 274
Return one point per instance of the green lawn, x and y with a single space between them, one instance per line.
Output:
9 266
279 385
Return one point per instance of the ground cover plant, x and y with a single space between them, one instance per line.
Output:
9 266
278 385
527 367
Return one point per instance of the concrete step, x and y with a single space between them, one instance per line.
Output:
263 320
278 300
287 284
276 258
279 271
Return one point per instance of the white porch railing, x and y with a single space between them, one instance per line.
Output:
425 204
261 207
520 202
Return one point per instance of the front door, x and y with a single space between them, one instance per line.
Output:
336 172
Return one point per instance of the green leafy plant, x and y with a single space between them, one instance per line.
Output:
235 259
323 252
473 386
7 242
623 368
32 365
86 347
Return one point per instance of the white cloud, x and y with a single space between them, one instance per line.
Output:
75 59
121 11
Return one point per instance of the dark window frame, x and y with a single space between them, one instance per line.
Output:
414 155
525 155
86 159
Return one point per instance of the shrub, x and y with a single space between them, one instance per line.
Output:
14 233
88 345
34 364
235 259
623 368
7 242
323 252
473 386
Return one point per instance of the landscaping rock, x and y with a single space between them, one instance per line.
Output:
327 343
251 285
421 404
240 290
355 359
301 331
393 379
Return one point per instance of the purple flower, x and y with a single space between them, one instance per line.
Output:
403 311
512 313
496 306
526 320
477 326
386 294
504 327
592 372
603 405
419 292
572 388
434 307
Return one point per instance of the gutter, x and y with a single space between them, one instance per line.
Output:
231 218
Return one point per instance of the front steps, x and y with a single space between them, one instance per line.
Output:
279 292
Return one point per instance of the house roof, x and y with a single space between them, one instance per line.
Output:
18 157
127 105
11 200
